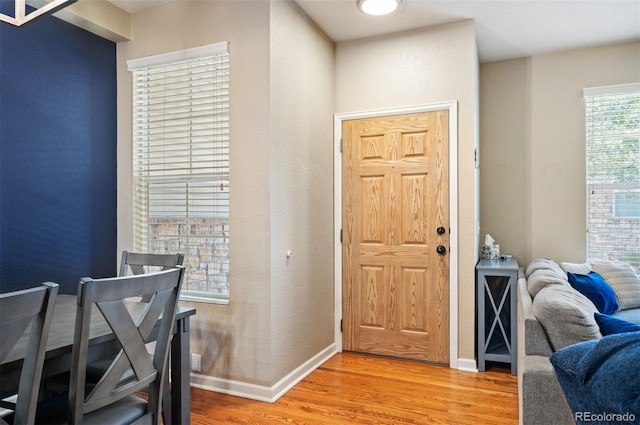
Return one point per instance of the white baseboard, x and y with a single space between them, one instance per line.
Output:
468 365
273 393
259 392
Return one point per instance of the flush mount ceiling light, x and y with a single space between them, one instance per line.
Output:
377 7
21 16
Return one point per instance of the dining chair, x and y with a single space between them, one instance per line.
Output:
141 263
21 310
131 263
112 399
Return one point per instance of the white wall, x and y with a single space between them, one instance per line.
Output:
234 340
431 65
302 105
280 312
533 147
504 141
285 84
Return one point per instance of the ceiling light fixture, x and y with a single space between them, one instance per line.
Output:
21 16
378 7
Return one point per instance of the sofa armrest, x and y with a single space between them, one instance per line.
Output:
531 335
540 396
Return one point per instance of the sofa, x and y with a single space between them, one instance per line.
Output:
552 315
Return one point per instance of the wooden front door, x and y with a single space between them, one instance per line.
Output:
395 198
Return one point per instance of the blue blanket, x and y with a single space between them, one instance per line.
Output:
601 379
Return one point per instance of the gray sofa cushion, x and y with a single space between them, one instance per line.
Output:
631 315
540 278
566 315
536 342
545 264
540 394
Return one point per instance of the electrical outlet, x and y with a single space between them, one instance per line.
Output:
195 362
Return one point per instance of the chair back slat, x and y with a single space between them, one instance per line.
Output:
132 323
18 310
133 344
12 331
141 263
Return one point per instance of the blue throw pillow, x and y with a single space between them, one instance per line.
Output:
610 325
594 287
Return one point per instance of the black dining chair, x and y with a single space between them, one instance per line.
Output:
113 398
28 309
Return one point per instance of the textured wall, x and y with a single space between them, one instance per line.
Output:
302 93
233 339
58 155
533 174
431 65
280 312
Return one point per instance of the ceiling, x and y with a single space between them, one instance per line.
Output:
505 29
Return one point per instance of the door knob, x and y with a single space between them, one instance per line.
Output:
441 250
441 230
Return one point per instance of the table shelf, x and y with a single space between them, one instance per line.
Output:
496 298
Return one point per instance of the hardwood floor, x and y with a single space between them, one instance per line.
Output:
356 389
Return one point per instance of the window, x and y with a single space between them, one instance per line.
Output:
181 163
613 173
626 204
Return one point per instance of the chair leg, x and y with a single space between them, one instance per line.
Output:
166 399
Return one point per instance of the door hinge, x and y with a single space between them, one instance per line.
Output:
340 235
340 325
340 145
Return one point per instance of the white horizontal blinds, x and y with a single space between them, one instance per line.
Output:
613 173
181 128
181 163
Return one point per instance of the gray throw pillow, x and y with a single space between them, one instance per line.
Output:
566 315
576 268
625 283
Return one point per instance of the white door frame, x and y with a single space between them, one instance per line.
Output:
452 107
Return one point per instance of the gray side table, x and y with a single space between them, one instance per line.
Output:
497 310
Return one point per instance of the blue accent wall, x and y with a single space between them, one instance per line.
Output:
57 155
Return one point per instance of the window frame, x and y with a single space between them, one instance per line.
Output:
617 134
176 184
635 214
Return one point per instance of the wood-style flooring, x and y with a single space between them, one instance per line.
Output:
357 389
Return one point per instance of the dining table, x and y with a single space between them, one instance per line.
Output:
101 344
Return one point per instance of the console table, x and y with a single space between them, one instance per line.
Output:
497 310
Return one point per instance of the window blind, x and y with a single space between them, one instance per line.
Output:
613 173
181 162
